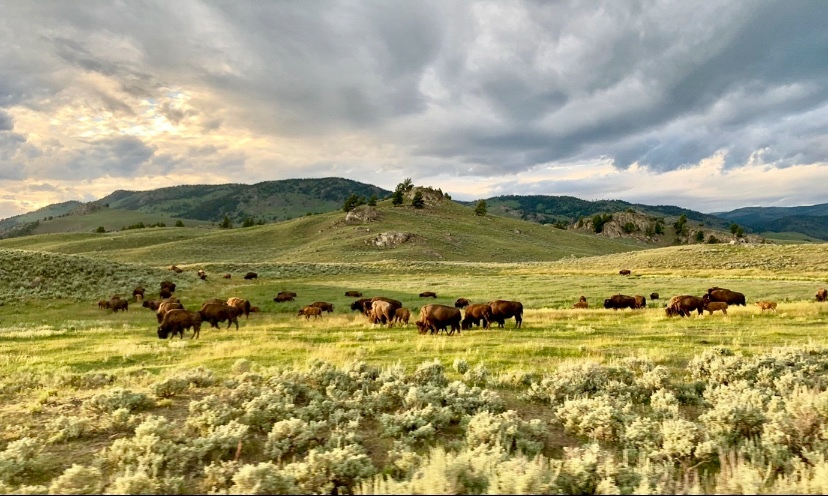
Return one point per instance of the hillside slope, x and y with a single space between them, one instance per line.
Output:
811 220
442 231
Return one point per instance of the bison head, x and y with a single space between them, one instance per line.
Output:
607 303
422 327
163 333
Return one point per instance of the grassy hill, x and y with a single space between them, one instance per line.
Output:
811 220
269 201
111 219
445 231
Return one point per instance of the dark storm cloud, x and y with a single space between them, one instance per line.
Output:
123 156
473 89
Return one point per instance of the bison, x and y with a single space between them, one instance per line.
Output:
684 305
402 315
242 305
175 269
151 304
103 304
219 312
353 294
118 304
428 294
284 296
582 303
767 305
226 276
461 303
324 306
251 275
653 296
138 293
165 293
619 301
165 307
726 295
359 305
640 302
255 309
217 301
177 321
624 272
168 285
308 311
435 318
475 314
822 294
383 312
715 306
504 309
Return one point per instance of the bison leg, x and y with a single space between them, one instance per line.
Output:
196 331
518 321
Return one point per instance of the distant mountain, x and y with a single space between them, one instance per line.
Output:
811 220
567 209
268 201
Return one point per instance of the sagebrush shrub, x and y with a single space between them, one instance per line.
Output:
66 428
264 478
78 479
19 457
134 483
117 398
169 387
595 418
506 430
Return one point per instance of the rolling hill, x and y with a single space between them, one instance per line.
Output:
811 220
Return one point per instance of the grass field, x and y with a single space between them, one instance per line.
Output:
141 415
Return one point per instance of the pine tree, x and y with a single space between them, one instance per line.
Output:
372 202
397 198
179 223
481 208
226 223
417 201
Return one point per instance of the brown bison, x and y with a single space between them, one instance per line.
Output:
103 304
582 303
461 303
684 305
165 293
118 304
395 304
822 294
177 321
353 294
624 272
767 305
251 275
215 313
175 269
475 315
436 318
168 285
653 296
383 312
428 294
165 307
715 306
255 310
242 305
284 296
619 301
402 315
359 305
726 295
640 302
504 309
217 301
202 275
226 276
138 293
151 304
308 311
324 306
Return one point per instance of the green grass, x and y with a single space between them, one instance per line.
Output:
110 219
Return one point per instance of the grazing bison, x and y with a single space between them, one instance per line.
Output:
138 293
359 305
475 315
217 301
284 296
402 315
383 312
226 276
165 307
353 294
653 296
308 311
242 305
164 293
504 309
619 301
715 306
175 269
822 294
202 275
435 318
177 321
168 285
215 313
151 304
582 303
324 306
624 272
640 302
395 304
461 303
103 304
118 304
767 305
428 294
726 295
255 309
251 275
684 305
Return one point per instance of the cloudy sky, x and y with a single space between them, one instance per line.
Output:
705 104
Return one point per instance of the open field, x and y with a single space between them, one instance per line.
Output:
286 404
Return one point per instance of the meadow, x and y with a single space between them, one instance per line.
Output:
576 401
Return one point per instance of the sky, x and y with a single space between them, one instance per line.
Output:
710 105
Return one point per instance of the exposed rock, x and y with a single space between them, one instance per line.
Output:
431 196
362 215
390 239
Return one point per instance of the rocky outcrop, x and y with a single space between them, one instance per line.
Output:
390 239
362 215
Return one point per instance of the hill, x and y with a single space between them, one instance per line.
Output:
443 230
269 201
811 220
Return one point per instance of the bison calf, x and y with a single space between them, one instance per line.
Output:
308 311
428 294
766 305
324 306
402 315
715 306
